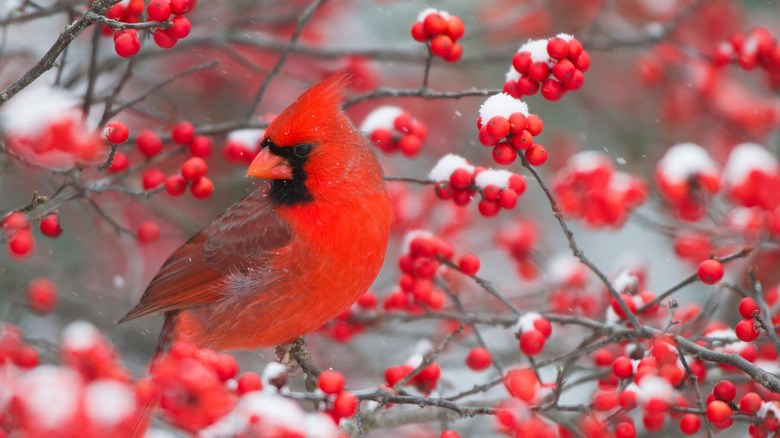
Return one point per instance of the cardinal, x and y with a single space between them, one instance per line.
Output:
296 252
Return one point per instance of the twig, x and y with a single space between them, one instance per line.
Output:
487 285
99 7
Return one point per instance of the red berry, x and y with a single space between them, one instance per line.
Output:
517 123
498 127
718 411
345 405
534 124
331 382
435 24
508 199
456 52
521 61
181 27
418 32
750 403
148 143
625 429
116 132
527 86
563 70
249 382
50 226
164 39
576 81
449 434
469 264
193 169
748 308
410 145
200 146
136 7
544 327
603 357
159 10
653 422
557 48
183 132
460 179
179 7
479 358
536 155
148 232
532 342
710 271
623 367
746 330
690 424
42 296
441 45
504 154
538 71
152 179
488 208
491 192
175 185
202 188
444 191
226 367
235 151
127 45
455 27
517 183
26 358
583 62
724 391
552 90
119 163
575 49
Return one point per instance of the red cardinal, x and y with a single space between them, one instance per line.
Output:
293 254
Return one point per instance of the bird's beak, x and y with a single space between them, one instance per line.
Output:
269 166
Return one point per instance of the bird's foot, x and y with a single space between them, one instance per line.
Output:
286 354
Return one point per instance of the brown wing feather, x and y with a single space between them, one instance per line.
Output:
235 240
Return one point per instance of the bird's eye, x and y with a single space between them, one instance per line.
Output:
303 150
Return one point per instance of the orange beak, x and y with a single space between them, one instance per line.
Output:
269 166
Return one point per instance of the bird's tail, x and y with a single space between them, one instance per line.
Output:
146 415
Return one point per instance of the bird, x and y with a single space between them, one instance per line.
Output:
296 252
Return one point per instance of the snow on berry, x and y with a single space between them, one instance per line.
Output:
749 174
686 177
501 104
392 129
241 146
589 188
555 65
447 165
45 125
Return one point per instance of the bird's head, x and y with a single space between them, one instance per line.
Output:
312 146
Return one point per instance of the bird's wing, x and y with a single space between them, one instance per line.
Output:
193 275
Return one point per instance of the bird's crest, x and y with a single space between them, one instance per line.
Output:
315 114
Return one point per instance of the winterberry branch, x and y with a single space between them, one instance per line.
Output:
428 359
694 380
569 234
487 285
425 93
99 7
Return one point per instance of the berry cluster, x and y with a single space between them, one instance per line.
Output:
751 175
425 381
441 32
342 403
190 384
532 330
14 351
457 180
505 124
393 129
557 65
127 42
687 178
192 172
757 48
590 188
418 266
46 126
